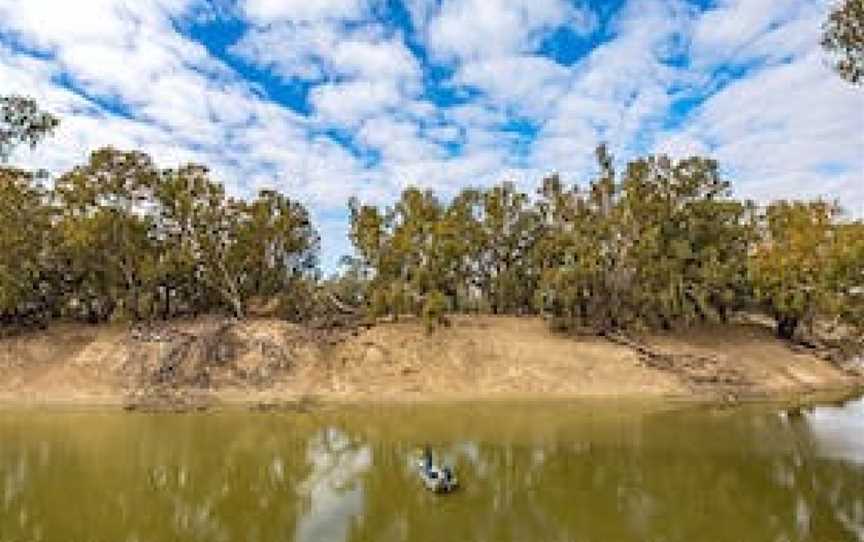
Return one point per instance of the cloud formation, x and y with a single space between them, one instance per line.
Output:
325 100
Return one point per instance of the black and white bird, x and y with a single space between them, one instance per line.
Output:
436 478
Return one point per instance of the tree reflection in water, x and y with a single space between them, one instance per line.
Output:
333 491
551 472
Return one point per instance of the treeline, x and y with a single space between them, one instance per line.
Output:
664 245
119 238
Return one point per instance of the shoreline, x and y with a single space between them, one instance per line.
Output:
268 364
230 399
306 405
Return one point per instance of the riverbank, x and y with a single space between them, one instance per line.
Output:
269 362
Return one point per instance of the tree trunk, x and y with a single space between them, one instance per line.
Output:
665 323
166 314
723 311
786 326
92 313
231 292
238 308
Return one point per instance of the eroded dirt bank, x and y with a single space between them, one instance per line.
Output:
197 363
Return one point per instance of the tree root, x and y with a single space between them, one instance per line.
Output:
846 354
184 371
702 373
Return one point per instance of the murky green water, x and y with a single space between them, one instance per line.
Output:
531 472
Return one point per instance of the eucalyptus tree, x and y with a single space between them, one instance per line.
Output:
104 224
370 239
584 277
419 241
276 245
27 285
686 240
664 245
187 205
400 246
555 258
843 38
221 250
508 232
464 246
846 274
791 266
422 249
120 237
25 217
22 122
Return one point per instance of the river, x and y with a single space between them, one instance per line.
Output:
530 471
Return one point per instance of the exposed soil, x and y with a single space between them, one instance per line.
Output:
195 363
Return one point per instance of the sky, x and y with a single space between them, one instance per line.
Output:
328 99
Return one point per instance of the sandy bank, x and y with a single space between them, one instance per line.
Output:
477 357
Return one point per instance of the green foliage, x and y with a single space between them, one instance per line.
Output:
665 246
806 264
846 274
843 37
507 232
434 310
104 244
297 303
118 238
477 247
21 121
662 245
412 249
26 245
153 242
685 240
378 303
351 284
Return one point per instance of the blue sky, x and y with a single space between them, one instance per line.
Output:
332 98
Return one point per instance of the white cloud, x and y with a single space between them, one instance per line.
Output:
790 127
374 58
540 82
359 73
49 23
265 11
790 130
397 140
349 103
480 116
288 50
745 30
476 29
619 93
363 73
322 49
443 134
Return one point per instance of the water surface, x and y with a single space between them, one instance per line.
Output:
585 471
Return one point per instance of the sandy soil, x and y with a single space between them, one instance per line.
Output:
477 357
